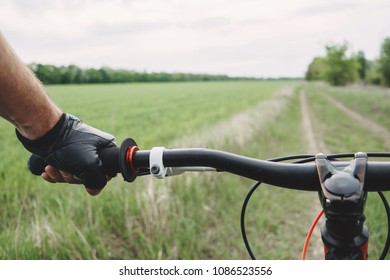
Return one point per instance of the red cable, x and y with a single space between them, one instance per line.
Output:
307 240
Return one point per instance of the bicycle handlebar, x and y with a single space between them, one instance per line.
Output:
283 175
286 175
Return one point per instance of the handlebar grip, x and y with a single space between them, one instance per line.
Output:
108 156
36 165
110 160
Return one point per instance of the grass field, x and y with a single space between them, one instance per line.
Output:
187 217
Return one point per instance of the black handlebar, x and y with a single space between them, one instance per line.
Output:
301 177
286 175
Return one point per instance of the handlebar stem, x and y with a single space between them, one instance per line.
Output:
343 199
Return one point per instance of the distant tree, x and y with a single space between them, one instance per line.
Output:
362 63
94 75
106 74
374 75
71 74
66 77
384 61
340 69
316 69
50 74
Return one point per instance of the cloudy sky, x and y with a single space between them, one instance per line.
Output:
262 38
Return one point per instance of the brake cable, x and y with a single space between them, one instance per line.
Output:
312 227
387 244
304 159
242 220
249 195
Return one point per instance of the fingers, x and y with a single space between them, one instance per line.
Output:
53 175
93 192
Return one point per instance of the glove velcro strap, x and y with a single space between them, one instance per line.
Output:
35 146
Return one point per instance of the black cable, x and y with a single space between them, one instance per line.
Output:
291 157
242 220
250 193
387 244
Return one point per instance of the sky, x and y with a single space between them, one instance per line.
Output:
255 38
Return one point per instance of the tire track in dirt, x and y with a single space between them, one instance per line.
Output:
314 145
363 121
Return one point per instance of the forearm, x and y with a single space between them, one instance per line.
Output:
23 99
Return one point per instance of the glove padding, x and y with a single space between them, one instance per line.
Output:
73 146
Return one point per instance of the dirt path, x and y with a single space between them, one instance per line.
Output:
371 126
314 145
314 142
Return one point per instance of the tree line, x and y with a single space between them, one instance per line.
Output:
72 74
338 68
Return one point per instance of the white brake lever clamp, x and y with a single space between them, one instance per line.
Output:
157 168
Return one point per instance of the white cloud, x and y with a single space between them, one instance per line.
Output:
247 37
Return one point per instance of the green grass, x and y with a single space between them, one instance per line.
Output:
158 113
186 217
40 220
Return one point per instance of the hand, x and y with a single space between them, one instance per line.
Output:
70 153
53 175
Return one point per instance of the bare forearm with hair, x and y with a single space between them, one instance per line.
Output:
23 99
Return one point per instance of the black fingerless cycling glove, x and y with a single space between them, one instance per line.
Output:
73 146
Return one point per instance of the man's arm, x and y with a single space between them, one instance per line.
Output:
23 100
67 146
